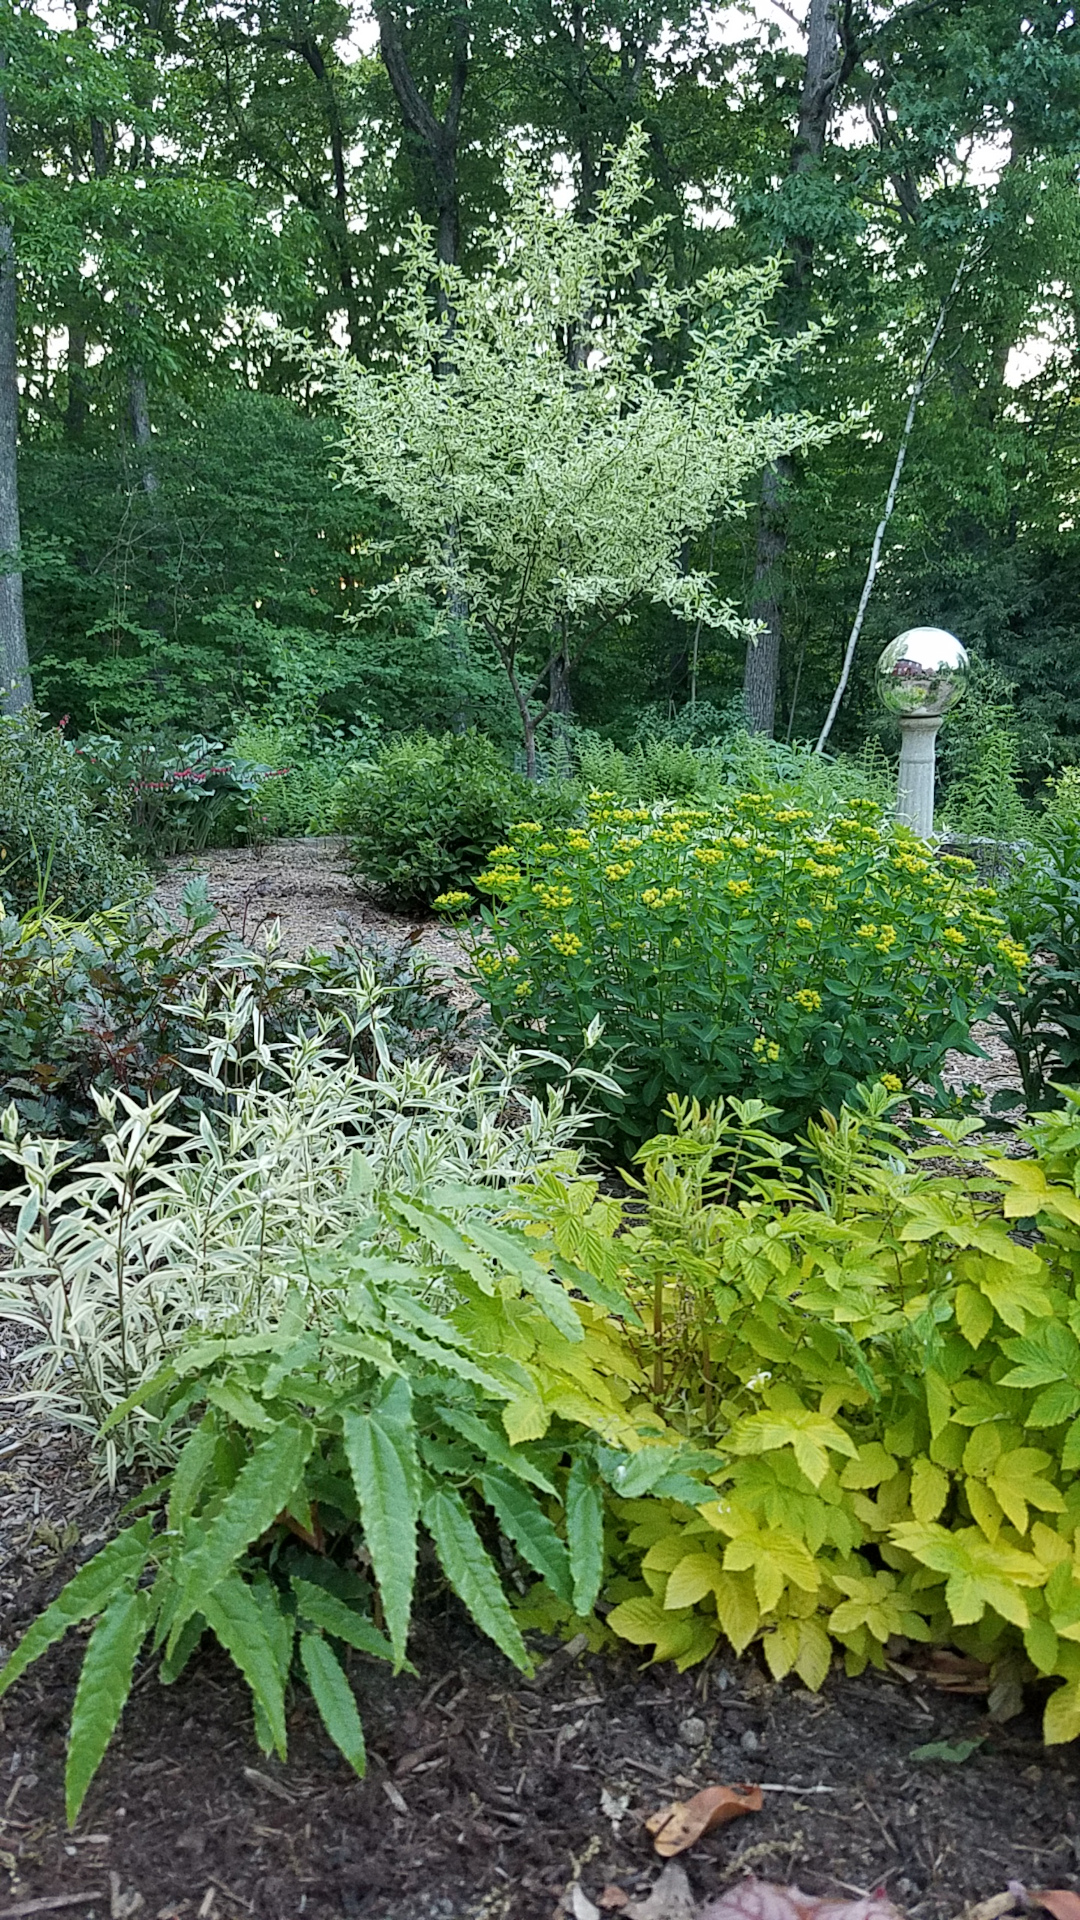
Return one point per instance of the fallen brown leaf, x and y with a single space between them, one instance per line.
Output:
677 1826
763 1900
991 1909
1058 1901
613 1899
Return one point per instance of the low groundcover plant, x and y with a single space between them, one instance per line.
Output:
740 947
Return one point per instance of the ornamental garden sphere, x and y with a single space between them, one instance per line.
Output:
920 675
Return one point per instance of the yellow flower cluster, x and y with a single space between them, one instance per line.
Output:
488 963
1016 955
450 902
555 899
499 879
739 889
618 870
654 897
954 936
804 925
566 943
709 856
766 1049
808 998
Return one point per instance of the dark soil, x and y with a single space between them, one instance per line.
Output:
487 1794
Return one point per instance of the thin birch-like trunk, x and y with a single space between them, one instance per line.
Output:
917 392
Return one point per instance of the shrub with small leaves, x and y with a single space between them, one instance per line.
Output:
61 846
741 947
422 814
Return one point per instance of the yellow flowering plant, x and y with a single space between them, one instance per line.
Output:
742 947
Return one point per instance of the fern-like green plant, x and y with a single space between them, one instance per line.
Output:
458 1389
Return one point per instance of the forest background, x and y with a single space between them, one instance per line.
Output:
182 180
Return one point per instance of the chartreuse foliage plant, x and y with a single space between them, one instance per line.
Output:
891 1377
741 947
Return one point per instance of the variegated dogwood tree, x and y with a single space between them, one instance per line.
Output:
548 464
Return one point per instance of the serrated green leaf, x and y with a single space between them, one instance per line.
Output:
585 1533
318 1608
490 1442
334 1698
192 1467
104 1685
380 1447
527 1525
235 1616
261 1489
470 1571
116 1567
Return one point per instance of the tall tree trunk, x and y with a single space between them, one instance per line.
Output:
16 691
762 675
141 435
437 138
821 76
77 408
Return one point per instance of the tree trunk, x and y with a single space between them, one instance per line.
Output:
762 675
821 76
437 138
78 398
141 436
16 691
560 700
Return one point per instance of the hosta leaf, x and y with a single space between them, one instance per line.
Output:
104 1685
261 1489
469 1569
334 1698
318 1608
235 1616
380 1447
527 1525
585 1533
116 1567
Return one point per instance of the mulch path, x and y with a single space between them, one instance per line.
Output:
486 1795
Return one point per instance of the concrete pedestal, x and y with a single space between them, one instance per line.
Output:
915 793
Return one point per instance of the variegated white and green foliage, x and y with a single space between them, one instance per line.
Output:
110 1264
469 1383
548 477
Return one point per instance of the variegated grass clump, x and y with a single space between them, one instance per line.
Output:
112 1264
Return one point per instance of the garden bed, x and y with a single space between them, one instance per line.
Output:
487 1795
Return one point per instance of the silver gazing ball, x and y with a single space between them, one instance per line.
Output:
922 673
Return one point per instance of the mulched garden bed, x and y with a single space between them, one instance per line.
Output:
487 1795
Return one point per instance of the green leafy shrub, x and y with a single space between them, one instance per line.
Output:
313 759
422 814
181 796
61 846
891 1378
336 1343
652 770
1042 1022
120 1004
739 948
